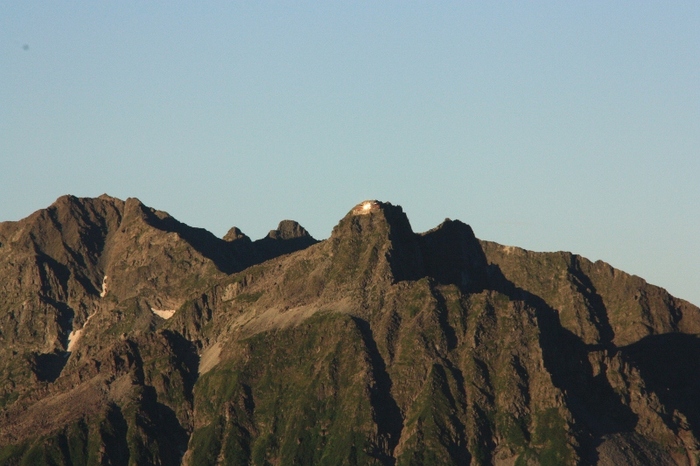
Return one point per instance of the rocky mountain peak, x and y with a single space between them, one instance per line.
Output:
235 234
449 253
376 237
288 229
288 237
373 217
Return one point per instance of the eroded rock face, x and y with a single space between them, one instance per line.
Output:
376 346
98 260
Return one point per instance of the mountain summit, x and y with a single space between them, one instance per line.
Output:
129 337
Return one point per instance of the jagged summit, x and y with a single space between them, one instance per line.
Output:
380 234
69 258
234 234
372 216
127 336
288 229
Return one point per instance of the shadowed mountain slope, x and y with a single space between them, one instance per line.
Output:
131 338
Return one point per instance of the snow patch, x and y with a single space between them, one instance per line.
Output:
75 335
103 293
73 339
164 313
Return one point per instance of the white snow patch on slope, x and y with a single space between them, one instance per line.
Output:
75 335
164 313
103 293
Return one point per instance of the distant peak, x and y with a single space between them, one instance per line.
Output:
288 229
235 234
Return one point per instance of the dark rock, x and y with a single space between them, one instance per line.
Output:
288 229
235 234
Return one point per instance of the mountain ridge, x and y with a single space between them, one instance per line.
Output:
377 345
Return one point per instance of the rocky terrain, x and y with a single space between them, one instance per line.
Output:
127 337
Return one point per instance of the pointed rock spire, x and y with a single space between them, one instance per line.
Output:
235 234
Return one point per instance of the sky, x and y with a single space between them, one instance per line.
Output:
547 125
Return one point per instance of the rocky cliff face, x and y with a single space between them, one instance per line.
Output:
131 338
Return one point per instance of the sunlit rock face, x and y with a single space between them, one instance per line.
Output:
366 207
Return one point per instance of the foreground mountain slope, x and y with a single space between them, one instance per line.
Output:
375 346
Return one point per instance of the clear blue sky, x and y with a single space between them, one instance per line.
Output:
546 125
